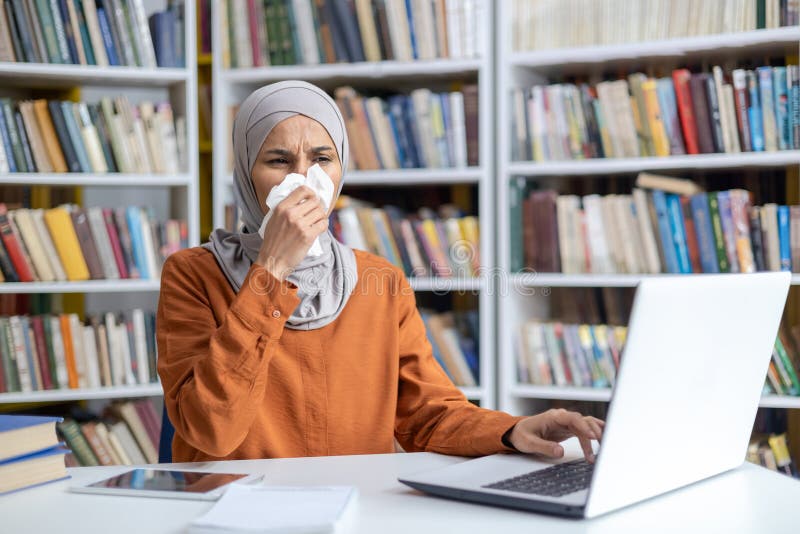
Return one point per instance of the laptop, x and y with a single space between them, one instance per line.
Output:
682 407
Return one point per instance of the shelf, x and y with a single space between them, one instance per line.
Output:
604 395
633 165
473 393
354 72
740 43
29 74
57 395
87 179
591 280
446 284
88 286
395 177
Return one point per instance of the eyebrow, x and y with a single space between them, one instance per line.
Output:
284 152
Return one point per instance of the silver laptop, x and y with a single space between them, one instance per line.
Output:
682 408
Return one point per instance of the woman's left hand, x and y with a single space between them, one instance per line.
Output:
541 434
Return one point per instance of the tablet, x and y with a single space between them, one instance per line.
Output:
167 483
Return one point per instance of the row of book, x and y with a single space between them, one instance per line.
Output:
422 244
59 351
653 232
109 136
687 113
92 32
288 32
422 129
30 453
70 243
543 24
454 338
586 355
127 433
772 451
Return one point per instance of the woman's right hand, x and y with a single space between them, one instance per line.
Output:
295 224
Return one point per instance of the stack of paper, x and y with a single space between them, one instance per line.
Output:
273 509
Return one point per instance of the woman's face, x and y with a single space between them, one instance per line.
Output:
294 145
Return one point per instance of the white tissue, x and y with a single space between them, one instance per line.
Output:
316 179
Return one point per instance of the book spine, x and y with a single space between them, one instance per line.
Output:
25 141
715 114
705 140
784 239
728 231
14 248
678 233
767 108
719 236
782 114
741 96
665 231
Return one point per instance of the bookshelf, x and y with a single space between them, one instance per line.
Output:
169 195
527 294
232 85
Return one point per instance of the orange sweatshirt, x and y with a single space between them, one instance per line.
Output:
238 385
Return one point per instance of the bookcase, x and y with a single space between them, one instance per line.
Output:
232 85
168 195
529 294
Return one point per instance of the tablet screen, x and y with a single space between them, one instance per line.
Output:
166 480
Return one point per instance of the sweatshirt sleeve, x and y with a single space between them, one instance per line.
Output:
432 413
215 377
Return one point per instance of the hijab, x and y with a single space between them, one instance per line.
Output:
325 282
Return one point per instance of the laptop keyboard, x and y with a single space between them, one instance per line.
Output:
554 481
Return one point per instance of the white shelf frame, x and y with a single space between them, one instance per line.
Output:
529 391
97 180
182 87
230 82
88 286
515 68
61 395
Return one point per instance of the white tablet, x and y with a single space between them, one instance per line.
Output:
167 483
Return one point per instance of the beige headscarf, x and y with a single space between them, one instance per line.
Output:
325 282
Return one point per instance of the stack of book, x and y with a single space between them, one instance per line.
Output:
687 113
111 136
454 338
652 231
772 452
72 243
421 244
423 129
586 355
59 351
256 33
30 453
543 24
127 434
92 32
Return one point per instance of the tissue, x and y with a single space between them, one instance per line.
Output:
316 179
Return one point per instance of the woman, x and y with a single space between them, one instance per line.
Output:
266 352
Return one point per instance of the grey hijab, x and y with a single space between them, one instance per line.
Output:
325 282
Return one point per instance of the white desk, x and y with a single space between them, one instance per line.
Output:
748 500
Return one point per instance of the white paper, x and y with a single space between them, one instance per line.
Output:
273 509
316 179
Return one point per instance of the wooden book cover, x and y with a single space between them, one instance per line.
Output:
683 95
87 243
35 137
128 414
698 88
47 129
98 448
471 100
13 247
42 352
30 238
77 443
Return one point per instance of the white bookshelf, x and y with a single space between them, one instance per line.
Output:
526 391
102 393
231 86
171 195
526 295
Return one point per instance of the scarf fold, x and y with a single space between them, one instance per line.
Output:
325 282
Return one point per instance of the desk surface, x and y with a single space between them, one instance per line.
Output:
748 499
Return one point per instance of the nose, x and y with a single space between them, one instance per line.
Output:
302 165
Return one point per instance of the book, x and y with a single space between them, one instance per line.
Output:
26 434
32 470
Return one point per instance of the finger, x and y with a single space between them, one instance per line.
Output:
586 445
313 217
576 423
598 430
533 444
598 421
